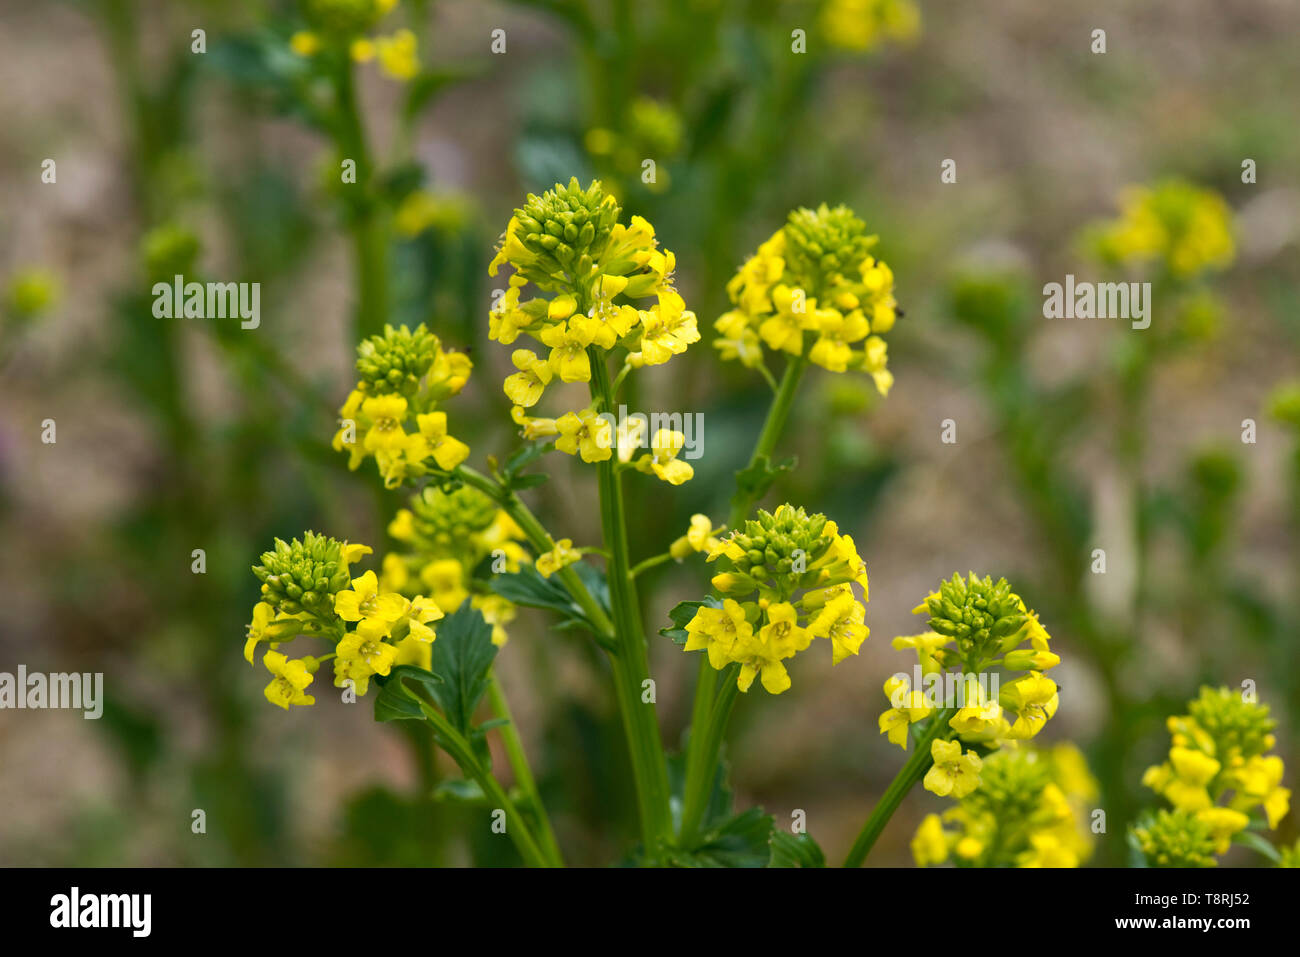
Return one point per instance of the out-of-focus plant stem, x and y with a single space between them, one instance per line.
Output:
523 772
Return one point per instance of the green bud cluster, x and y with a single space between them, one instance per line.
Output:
774 543
445 521
824 244
568 229
1174 839
342 18
397 360
983 616
303 575
1238 727
1011 784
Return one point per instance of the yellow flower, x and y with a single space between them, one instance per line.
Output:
267 626
1047 850
1033 698
558 557
841 621
387 413
1259 783
420 612
953 772
364 600
926 646
363 653
445 579
1224 823
411 651
585 433
568 342
304 43
526 386
664 462
930 844
668 329
1192 772
361 50
397 55
784 329
761 655
977 714
497 612
432 439
717 630
832 348
698 538
290 680
909 707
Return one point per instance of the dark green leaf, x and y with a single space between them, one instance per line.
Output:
395 701
753 481
795 850
462 657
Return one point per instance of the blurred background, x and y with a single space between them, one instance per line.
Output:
1072 435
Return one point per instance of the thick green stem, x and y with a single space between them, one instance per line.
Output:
630 663
463 753
703 758
523 772
910 773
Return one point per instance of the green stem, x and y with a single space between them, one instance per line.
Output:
910 773
366 225
701 762
523 773
702 758
542 541
778 414
650 563
463 754
630 663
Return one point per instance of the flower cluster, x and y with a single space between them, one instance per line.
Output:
570 245
1217 772
1030 810
1184 227
404 375
306 591
344 25
450 541
787 578
862 25
813 291
976 625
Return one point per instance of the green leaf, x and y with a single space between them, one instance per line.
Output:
739 841
519 460
753 481
395 701
462 655
681 616
795 850
528 587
